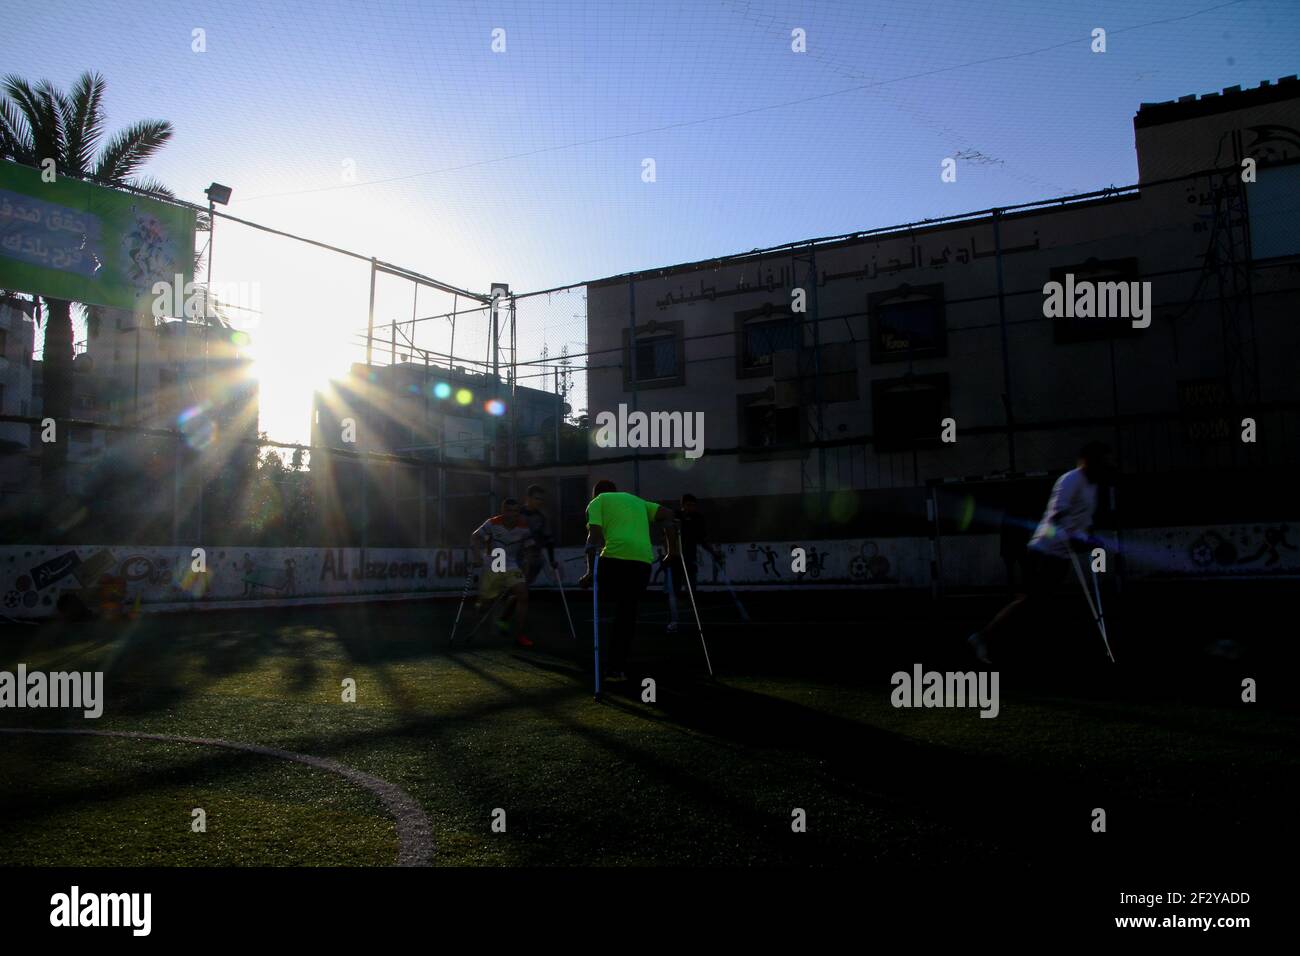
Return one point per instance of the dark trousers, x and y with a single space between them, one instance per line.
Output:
620 585
691 569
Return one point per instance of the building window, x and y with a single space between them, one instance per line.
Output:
907 323
656 358
760 334
1273 201
1067 330
764 424
660 359
908 412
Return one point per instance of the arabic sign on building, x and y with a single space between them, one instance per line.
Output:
71 240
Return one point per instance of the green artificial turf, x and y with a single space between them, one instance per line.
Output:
708 774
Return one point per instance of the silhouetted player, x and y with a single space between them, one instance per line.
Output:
509 533
540 527
618 528
1066 525
694 534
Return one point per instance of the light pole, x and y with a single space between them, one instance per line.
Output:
216 193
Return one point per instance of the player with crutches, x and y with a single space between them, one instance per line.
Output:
506 542
1065 527
543 540
619 555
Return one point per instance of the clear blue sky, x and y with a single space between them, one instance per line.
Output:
525 166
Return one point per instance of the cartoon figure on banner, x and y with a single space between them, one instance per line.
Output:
769 558
284 580
1272 538
816 562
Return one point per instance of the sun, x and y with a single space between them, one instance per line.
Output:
289 372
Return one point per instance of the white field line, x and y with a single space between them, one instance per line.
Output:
414 835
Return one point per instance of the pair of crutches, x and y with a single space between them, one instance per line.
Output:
469 580
1094 606
464 596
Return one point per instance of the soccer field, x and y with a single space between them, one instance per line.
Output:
439 741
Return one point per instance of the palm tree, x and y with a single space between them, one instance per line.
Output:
38 123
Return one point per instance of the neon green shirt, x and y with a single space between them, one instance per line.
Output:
625 521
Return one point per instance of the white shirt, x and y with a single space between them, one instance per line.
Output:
1068 516
515 541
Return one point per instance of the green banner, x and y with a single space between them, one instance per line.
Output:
72 240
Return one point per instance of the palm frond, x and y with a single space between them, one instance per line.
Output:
83 121
51 101
150 186
129 148
15 134
38 108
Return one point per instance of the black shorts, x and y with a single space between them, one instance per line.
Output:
1043 572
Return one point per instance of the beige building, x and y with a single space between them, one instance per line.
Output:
454 426
831 420
17 334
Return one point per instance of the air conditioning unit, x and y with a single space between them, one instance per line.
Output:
833 359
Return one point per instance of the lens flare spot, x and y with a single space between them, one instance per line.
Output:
441 390
194 583
494 406
843 506
197 427
464 396
967 512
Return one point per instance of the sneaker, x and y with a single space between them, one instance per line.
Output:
523 641
979 648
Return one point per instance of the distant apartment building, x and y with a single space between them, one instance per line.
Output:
136 373
155 372
472 423
193 377
828 370
17 334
